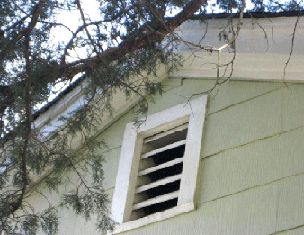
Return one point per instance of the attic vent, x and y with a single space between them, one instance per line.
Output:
160 172
158 166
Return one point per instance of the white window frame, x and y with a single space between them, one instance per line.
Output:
193 112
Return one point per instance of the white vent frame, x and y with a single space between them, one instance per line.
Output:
193 112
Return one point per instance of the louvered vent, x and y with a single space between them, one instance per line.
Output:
160 171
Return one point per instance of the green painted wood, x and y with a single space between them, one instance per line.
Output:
251 178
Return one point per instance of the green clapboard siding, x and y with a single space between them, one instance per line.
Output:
251 178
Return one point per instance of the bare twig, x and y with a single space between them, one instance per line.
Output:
291 46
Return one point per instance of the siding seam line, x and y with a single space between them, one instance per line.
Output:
253 187
244 101
289 229
253 141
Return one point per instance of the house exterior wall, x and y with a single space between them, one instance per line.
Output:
251 175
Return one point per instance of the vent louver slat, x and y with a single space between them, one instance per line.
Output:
156 200
161 166
167 147
158 183
165 133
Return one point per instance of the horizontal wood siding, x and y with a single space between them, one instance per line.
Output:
251 178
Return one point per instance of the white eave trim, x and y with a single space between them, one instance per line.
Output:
50 119
257 58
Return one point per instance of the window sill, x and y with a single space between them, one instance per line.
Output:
153 218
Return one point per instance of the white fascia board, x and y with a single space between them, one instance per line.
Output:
50 120
64 106
257 57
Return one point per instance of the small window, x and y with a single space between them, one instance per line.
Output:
158 166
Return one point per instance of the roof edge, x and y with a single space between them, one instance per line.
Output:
248 15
